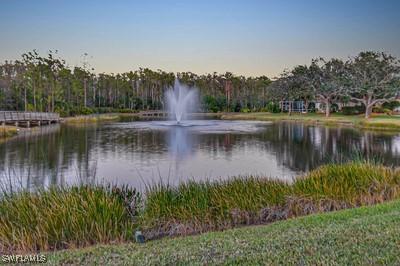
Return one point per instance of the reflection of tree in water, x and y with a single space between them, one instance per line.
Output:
302 147
54 156
44 159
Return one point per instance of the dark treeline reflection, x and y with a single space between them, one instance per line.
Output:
63 154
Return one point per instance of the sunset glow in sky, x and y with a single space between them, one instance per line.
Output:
244 37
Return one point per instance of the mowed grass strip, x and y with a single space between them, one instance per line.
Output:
376 122
360 236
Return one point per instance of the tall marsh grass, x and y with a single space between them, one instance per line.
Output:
207 205
83 119
65 217
78 216
7 131
197 207
353 183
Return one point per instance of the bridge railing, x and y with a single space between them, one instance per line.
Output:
6 116
153 113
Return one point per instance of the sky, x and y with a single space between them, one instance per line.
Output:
247 37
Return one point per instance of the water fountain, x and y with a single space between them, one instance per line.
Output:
181 100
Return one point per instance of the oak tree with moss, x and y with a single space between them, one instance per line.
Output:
373 79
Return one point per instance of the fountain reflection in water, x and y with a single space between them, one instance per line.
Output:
181 100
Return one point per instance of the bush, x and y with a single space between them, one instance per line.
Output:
378 109
245 110
61 111
382 110
387 111
210 104
353 110
236 107
85 111
311 107
334 108
125 110
273 107
74 111
103 110
391 105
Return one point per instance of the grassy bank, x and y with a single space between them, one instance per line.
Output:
7 132
199 207
75 217
377 121
92 118
361 236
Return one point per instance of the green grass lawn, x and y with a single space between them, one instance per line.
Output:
377 121
362 236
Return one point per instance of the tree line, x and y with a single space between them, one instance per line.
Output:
47 83
368 79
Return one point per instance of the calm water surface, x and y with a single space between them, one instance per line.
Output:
136 153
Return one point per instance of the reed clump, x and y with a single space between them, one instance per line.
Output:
60 218
7 132
92 119
381 124
196 207
203 206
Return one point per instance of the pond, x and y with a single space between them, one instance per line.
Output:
139 153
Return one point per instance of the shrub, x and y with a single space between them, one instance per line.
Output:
388 111
334 108
236 106
381 110
273 107
378 109
353 110
125 110
391 105
61 111
214 104
85 111
210 104
311 107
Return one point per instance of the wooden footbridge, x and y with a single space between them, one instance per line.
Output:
28 119
153 113
163 114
